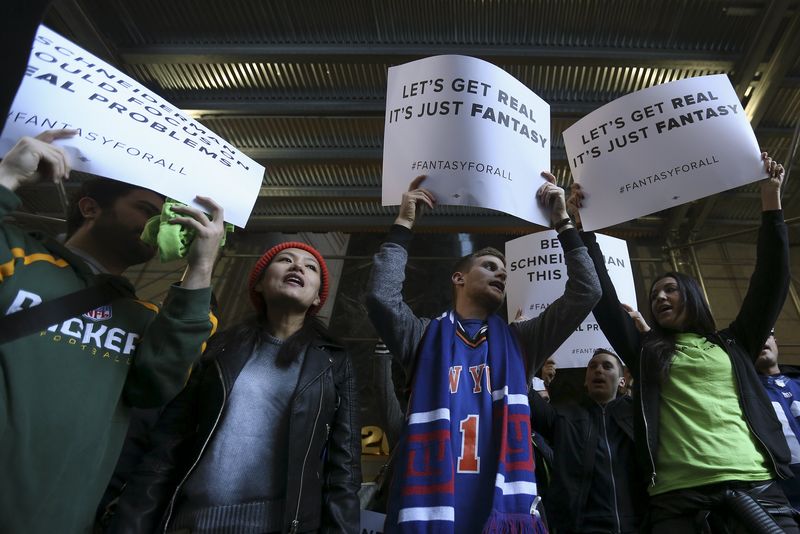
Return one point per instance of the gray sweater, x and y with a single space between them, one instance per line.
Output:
539 337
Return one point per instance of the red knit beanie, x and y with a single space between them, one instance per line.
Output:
263 261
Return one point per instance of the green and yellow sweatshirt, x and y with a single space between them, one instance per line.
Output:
65 392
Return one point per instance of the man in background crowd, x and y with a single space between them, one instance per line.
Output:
593 484
783 390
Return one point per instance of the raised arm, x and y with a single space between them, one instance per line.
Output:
396 324
29 161
174 339
542 335
614 320
769 283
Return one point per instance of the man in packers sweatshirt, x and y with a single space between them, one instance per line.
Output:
67 389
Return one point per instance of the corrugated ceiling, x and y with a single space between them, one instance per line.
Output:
300 85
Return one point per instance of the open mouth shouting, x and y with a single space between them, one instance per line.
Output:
498 285
663 309
294 279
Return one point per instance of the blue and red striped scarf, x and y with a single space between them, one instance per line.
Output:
465 462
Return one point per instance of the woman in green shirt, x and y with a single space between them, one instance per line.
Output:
707 436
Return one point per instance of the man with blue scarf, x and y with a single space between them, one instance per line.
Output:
464 462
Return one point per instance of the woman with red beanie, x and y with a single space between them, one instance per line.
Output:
264 437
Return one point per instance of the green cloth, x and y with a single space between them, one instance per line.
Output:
703 437
172 240
67 391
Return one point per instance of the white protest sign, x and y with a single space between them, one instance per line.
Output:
661 147
480 136
537 276
127 132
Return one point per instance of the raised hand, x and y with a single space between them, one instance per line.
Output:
575 202
638 320
412 202
771 186
552 197
205 246
35 158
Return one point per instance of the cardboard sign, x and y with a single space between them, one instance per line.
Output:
660 147
481 137
537 275
125 131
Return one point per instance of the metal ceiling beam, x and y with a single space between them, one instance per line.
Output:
749 65
771 19
401 53
784 56
312 155
84 29
321 192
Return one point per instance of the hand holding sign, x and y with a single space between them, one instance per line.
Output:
575 203
477 133
33 159
412 202
124 131
660 147
552 197
771 186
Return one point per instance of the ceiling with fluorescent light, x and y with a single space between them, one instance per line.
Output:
300 85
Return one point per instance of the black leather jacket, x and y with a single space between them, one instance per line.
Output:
324 462
742 340
575 431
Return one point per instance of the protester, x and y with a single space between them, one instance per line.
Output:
707 436
783 389
464 463
593 482
265 437
71 372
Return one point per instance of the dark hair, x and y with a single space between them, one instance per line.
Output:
252 332
620 365
660 342
465 262
104 191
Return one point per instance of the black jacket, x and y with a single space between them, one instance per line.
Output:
578 433
742 340
324 462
